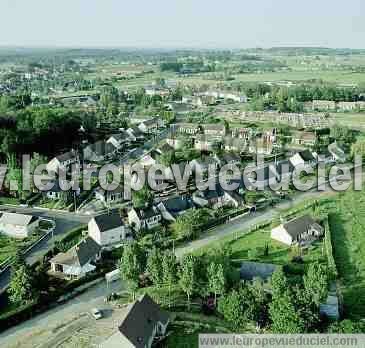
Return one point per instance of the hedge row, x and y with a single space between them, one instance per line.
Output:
329 250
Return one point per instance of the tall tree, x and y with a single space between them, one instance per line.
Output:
216 279
284 317
187 276
169 270
316 283
154 267
131 266
21 288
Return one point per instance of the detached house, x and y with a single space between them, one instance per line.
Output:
303 158
206 143
217 198
142 322
236 144
304 138
144 218
185 128
174 207
299 231
214 129
18 225
107 230
109 197
62 162
78 261
120 139
99 151
150 126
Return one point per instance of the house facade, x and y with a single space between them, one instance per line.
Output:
107 230
142 322
18 226
78 261
299 231
62 162
144 218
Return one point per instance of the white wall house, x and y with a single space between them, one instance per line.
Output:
61 162
147 218
18 225
78 261
107 230
299 231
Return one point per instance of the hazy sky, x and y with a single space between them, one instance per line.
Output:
183 23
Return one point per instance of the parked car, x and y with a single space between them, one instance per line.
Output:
97 313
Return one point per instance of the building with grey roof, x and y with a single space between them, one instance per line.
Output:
77 262
298 231
143 321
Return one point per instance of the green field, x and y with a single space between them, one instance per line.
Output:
350 119
348 233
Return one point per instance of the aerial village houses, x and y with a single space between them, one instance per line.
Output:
299 231
107 230
142 322
174 207
144 218
99 151
18 225
150 126
61 162
78 261
304 138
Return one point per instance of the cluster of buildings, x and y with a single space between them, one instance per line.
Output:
210 137
330 105
297 120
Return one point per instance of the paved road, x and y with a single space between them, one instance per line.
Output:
43 324
94 297
65 221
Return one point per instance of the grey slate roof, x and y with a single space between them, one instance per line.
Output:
178 204
141 319
299 225
147 212
80 254
108 222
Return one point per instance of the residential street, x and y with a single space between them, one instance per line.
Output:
65 221
41 329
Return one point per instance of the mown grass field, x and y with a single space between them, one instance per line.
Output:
347 224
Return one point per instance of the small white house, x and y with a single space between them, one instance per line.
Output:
299 231
146 218
61 162
107 229
78 261
18 225
303 158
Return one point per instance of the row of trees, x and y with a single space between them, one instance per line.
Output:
203 276
288 309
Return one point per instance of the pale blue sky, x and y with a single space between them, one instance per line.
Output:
183 23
